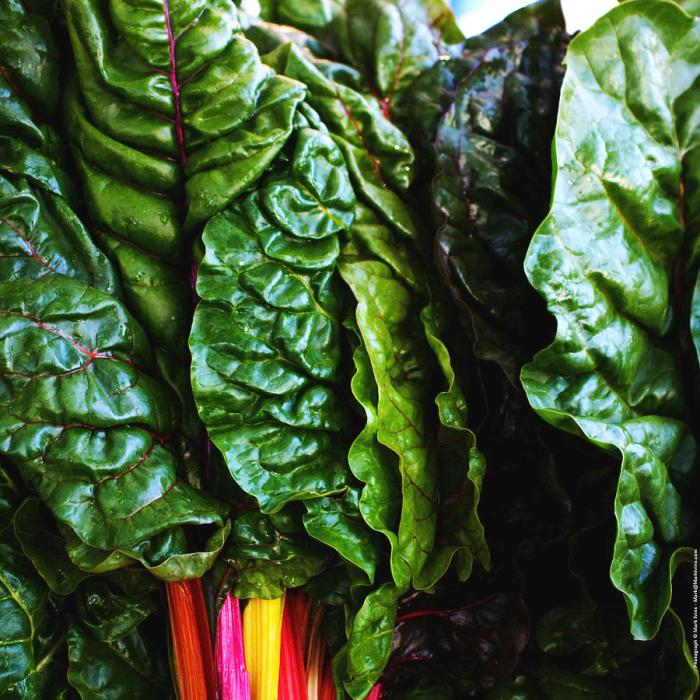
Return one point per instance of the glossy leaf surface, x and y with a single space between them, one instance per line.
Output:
83 418
268 397
31 641
622 220
266 554
493 182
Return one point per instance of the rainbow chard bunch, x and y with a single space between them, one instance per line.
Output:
271 284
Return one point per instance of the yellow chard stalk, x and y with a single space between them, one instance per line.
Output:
262 637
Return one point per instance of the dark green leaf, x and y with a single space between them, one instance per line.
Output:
312 15
377 153
369 642
374 464
267 554
114 670
393 42
387 321
30 638
45 549
604 261
493 180
29 59
337 523
460 533
265 341
164 556
108 613
83 419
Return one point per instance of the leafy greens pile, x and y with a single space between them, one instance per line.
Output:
270 290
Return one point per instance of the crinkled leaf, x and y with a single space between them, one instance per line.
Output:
391 333
393 42
29 59
267 554
377 153
460 533
389 42
372 463
398 366
164 556
623 209
265 340
493 180
40 233
169 126
169 72
83 419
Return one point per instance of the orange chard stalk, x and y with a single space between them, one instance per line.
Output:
189 626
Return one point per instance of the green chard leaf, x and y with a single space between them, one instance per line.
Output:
366 138
45 549
168 127
265 343
40 234
114 670
310 15
390 43
83 418
338 522
371 462
266 554
460 534
30 637
493 177
29 58
43 244
369 642
406 465
391 332
401 359
615 260
378 154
